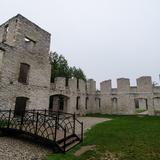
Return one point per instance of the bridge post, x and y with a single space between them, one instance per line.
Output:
58 117
37 115
56 121
33 116
9 117
82 132
74 119
45 113
65 139
22 117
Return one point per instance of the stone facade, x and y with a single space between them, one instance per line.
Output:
25 79
24 42
126 99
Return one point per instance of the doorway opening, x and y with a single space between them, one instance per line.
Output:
58 103
114 105
141 105
20 106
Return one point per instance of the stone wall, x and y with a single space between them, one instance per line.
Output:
17 51
22 41
84 90
125 98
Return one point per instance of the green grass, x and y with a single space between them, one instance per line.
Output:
140 110
129 137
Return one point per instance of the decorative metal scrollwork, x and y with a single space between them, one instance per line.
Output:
53 126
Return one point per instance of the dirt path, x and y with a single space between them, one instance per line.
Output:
88 122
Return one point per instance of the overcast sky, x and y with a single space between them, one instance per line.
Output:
108 39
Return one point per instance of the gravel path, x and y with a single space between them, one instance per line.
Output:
17 149
88 122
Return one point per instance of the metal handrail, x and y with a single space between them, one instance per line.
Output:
43 114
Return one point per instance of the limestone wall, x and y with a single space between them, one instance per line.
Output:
123 86
16 51
22 41
86 91
125 98
156 89
91 86
10 27
106 96
144 84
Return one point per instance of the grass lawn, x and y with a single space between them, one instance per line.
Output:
128 137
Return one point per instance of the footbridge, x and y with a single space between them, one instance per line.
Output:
58 129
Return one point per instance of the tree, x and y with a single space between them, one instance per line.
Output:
78 73
154 84
60 68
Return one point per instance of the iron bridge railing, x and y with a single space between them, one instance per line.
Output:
48 125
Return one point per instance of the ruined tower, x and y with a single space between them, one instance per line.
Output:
24 65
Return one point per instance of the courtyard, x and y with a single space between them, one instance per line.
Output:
122 138
65 91
112 138
23 147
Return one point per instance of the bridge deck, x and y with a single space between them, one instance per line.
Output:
56 127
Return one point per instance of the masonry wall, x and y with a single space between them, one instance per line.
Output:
123 99
145 91
84 91
17 51
22 41
106 96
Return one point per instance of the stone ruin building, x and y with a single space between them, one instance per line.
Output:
25 79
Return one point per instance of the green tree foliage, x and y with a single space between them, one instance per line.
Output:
60 68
